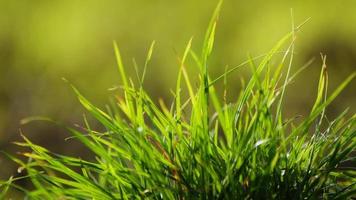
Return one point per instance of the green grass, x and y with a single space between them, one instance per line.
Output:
201 146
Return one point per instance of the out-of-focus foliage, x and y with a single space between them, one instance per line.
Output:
42 41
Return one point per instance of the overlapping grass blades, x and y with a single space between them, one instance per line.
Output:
203 147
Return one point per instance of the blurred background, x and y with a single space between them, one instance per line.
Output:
42 41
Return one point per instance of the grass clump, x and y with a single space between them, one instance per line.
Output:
202 147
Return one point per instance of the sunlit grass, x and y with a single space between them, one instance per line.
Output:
203 147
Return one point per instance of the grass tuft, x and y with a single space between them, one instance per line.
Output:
203 147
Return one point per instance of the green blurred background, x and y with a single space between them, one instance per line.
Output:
42 41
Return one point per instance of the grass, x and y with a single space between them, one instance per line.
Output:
201 146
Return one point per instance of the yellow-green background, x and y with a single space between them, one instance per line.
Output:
42 41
